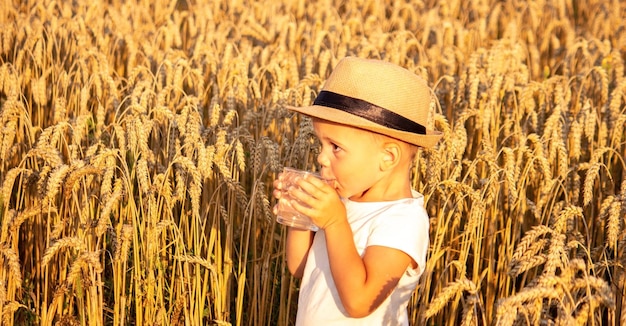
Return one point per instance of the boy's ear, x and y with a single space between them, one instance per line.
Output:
390 155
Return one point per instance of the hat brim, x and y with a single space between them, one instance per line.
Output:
428 140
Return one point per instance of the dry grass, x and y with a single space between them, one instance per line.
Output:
139 140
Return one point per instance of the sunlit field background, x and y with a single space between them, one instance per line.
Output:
139 140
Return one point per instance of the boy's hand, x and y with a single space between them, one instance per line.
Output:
319 201
278 186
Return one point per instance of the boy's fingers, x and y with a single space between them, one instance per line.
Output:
310 194
313 186
315 181
277 193
302 195
302 208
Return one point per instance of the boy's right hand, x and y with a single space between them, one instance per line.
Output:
318 200
277 192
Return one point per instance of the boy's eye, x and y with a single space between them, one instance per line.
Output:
335 147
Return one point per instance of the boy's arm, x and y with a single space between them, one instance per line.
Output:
363 283
298 245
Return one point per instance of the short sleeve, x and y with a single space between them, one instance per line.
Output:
404 227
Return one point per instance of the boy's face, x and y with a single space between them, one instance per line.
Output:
350 156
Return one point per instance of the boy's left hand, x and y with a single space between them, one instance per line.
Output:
319 201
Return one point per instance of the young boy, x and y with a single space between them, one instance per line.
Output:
363 264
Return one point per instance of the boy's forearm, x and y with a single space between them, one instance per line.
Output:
297 248
348 269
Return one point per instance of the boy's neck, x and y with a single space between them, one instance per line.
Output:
394 186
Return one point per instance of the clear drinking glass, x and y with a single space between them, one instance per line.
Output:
286 214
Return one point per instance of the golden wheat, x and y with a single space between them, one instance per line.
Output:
9 309
153 130
75 175
12 262
452 290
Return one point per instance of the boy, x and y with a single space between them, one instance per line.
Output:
363 264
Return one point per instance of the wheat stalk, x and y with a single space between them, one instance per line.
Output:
28 214
9 310
77 173
511 171
445 296
86 260
590 178
557 256
123 243
562 220
13 266
614 224
3 293
197 260
39 90
9 181
8 138
56 181
67 242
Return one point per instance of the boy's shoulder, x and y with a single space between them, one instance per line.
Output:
402 207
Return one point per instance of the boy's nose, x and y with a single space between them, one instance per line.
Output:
322 160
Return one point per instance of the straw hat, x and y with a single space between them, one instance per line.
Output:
377 96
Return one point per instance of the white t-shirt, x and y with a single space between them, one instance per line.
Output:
401 224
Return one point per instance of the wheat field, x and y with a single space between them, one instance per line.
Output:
139 140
